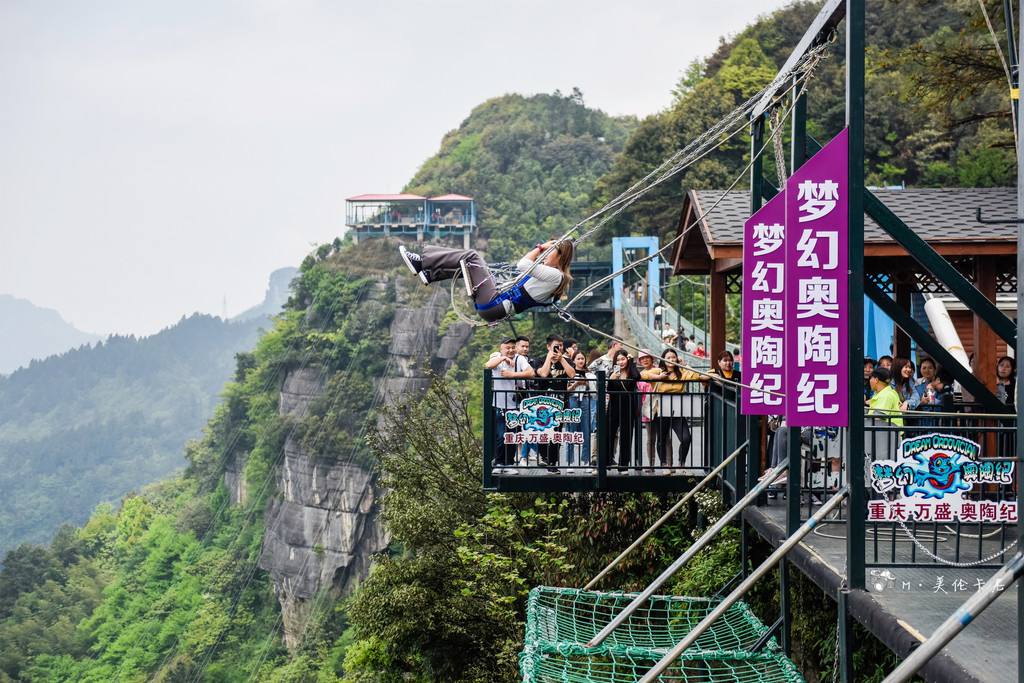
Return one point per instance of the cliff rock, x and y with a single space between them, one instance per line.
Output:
321 526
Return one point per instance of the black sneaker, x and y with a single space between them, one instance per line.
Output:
413 261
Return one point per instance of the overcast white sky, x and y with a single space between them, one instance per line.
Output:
159 156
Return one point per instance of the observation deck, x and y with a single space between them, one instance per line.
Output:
408 215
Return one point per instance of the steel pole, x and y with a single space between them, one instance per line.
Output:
698 545
734 597
967 612
664 518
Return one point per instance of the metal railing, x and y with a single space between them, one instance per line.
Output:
648 338
540 426
941 487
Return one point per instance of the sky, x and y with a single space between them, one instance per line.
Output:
161 158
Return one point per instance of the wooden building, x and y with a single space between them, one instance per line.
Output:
985 253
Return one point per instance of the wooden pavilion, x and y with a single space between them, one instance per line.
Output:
946 219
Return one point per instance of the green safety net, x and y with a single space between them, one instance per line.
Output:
561 621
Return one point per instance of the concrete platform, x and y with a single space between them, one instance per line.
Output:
903 605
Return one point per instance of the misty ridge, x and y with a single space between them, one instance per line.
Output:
99 417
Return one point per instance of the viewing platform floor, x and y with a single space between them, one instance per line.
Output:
903 609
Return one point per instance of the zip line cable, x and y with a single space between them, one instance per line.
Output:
1006 69
708 142
563 312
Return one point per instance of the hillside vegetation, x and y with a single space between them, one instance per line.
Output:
96 422
938 107
167 586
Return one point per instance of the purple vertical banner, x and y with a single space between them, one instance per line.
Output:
764 261
816 342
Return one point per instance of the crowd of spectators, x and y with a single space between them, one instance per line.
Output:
649 402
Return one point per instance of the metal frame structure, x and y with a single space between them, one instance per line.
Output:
740 481
403 215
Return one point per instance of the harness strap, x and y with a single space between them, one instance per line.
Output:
517 295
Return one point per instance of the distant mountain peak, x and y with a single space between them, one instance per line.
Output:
30 332
278 291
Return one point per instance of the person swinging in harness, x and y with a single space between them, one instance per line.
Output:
545 284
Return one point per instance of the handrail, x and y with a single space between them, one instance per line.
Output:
959 620
665 517
646 337
734 597
697 546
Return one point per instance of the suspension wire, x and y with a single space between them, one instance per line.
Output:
1006 69
697 220
780 156
692 152
705 375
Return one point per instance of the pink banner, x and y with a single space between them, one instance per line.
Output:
816 345
764 260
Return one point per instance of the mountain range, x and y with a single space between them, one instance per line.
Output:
31 332
108 416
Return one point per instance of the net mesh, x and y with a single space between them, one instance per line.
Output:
561 621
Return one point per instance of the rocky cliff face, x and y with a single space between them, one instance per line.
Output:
321 526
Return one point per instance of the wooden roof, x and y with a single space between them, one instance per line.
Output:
712 221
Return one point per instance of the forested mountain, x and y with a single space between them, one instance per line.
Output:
29 331
938 106
175 585
96 422
529 163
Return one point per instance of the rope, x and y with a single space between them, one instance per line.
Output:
1002 59
560 621
697 149
951 563
780 156
683 232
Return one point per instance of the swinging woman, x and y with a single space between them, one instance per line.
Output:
545 284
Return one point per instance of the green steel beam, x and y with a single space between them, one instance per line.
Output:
857 510
940 268
934 348
757 180
819 31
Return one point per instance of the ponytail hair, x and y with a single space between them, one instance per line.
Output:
565 254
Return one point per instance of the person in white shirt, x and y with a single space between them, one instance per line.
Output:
503 369
545 284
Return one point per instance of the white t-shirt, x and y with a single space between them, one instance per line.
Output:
504 387
589 387
543 280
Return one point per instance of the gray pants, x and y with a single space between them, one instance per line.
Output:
443 264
